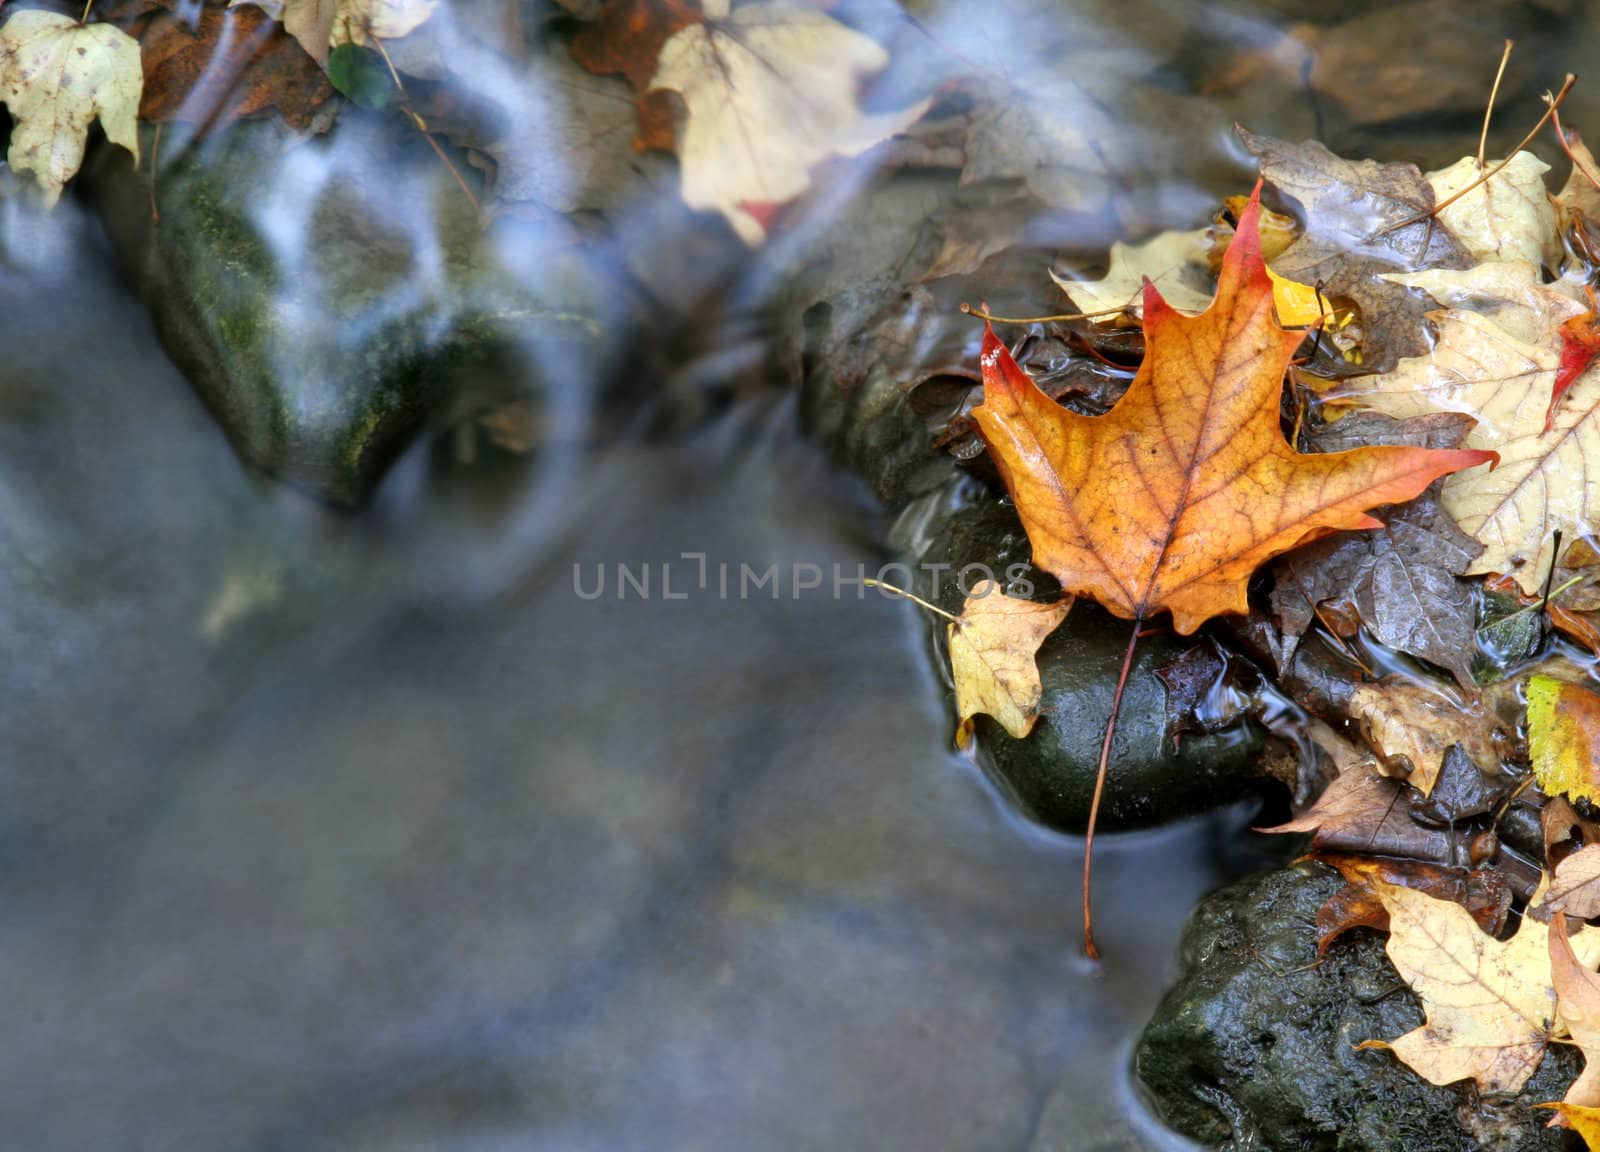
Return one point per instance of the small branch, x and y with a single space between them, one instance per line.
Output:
1488 113
1089 948
1551 104
915 599
982 313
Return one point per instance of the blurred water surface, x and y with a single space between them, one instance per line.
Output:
334 831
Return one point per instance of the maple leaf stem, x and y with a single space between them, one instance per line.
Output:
1089 948
1566 146
84 19
915 599
1494 92
983 314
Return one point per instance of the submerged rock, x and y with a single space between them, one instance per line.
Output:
1255 1047
330 297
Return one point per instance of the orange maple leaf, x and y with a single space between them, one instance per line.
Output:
1174 498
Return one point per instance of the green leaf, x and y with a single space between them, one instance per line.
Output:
360 76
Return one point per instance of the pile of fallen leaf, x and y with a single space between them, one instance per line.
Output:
1362 451
751 98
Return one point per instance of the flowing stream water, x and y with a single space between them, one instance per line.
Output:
358 831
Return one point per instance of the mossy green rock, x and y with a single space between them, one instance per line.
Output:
330 297
1256 1046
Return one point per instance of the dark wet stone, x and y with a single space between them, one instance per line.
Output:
1050 774
331 298
1255 1047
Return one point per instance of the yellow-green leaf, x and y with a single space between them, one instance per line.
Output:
1564 737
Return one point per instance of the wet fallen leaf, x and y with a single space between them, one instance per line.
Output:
1575 886
56 77
1174 498
1584 1121
1402 580
225 65
1366 812
320 25
1564 737
992 658
1508 217
1175 262
1578 1000
1178 264
770 92
1539 486
1580 343
1483 892
625 39
1490 1004
1511 293
1411 726
1346 207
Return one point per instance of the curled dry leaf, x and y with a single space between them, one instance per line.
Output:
1490 1004
1508 217
992 660
1578 1000
1575 886
770 92
56 77
1411 726
1173 499
1564 737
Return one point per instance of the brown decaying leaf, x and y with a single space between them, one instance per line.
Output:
231 64
1362 811
1401 579
1346 205
1483 892
1173 499
992 661
1412 725
626 40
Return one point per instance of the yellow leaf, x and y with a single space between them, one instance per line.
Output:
1508 217
992 658
1175 262
1584 1121
1564 737
1297 303
1490 1004
56 77
1178 263
771 92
